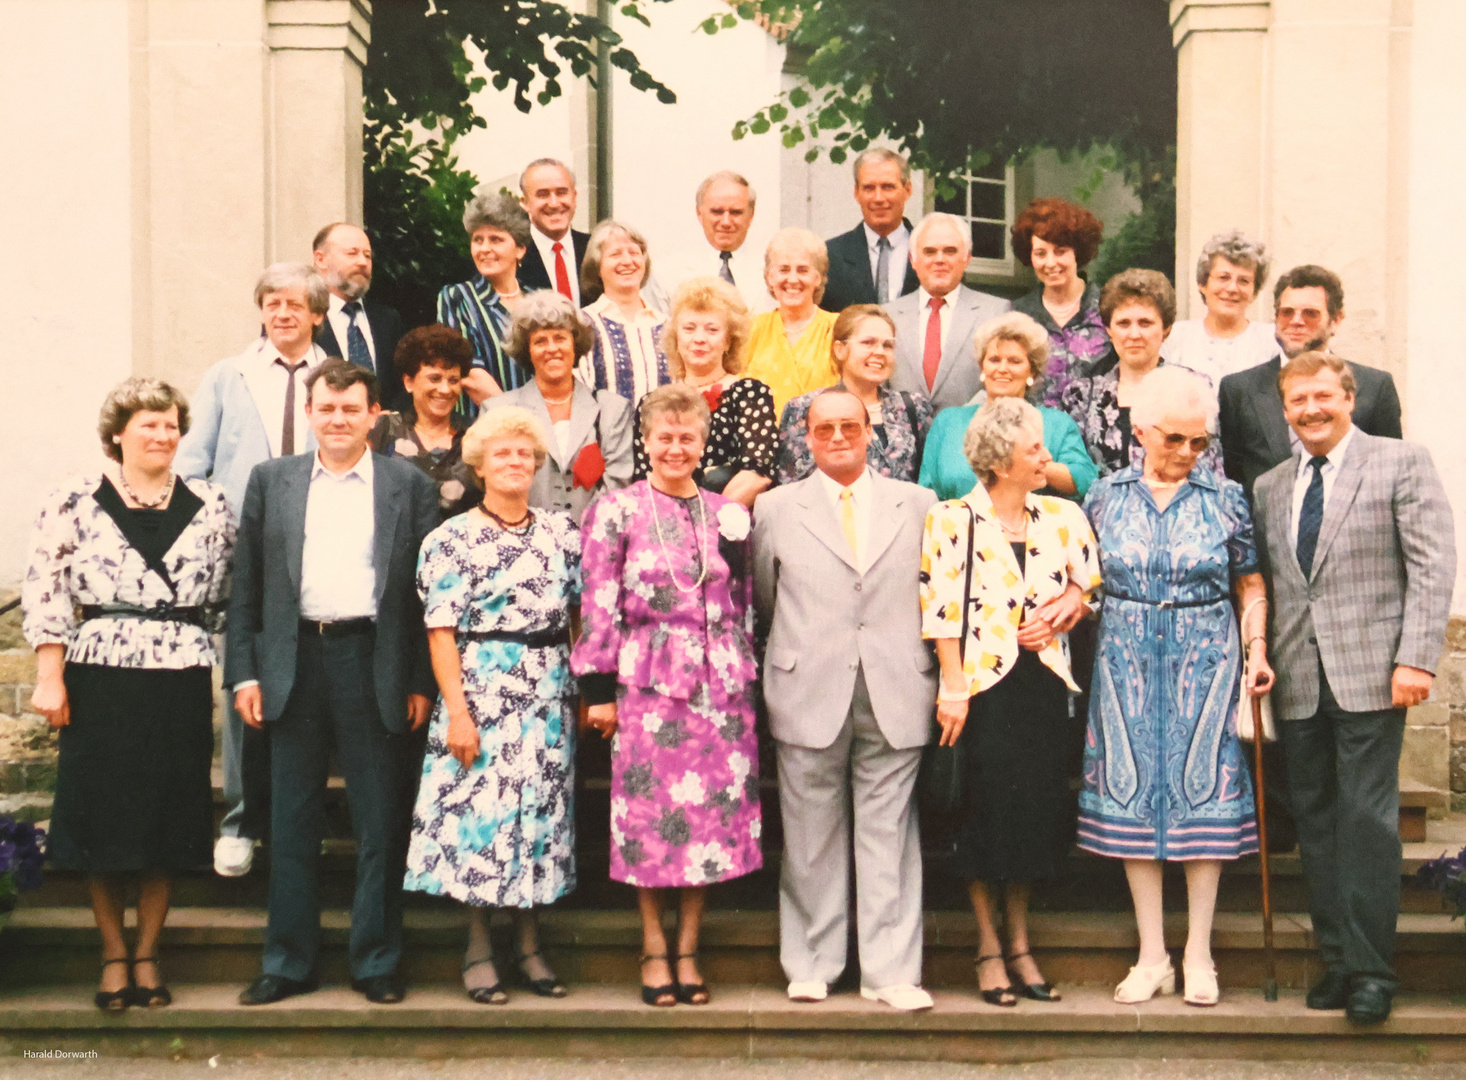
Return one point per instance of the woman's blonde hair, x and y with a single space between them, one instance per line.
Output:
707 294
1021 329
801 242
132 396
674 399
501 422
847 322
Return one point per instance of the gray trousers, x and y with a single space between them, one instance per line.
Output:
858 776
1344 784
232 764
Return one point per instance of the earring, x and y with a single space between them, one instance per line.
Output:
1029 382
117 439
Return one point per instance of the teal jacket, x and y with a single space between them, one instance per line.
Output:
944 466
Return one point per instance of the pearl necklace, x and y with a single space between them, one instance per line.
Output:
662 541
558 401
142 503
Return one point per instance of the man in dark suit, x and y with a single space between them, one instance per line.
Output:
547 193
327 648
355 328
870 264
1308 303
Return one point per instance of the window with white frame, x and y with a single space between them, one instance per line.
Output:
984 200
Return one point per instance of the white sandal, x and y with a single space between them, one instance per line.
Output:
1201 985
1144 983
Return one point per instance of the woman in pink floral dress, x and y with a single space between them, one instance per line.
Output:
666 666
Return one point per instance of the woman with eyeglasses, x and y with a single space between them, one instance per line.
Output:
1139 308
1164 777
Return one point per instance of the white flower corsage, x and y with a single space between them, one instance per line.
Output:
450 492
733 522
405 448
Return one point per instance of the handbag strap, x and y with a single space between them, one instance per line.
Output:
1242 621
967 585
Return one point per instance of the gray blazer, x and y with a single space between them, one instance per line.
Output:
825 619
264 605
958 375
1380 592
554 485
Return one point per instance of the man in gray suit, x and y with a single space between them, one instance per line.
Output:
326 645
850 688
935 324
1358 537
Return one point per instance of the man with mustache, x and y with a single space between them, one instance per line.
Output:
1358 540
355 328
1308 304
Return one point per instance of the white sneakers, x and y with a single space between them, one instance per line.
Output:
905 997
808 991
233 856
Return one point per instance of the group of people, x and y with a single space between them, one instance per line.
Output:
870 516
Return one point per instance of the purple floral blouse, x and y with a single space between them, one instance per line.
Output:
1073 347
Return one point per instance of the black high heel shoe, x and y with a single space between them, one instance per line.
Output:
1034 991
149 997
1003 996
663 997
486 995
116 1000
692 993
549 988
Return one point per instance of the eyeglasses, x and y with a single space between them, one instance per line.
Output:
848 429
1175 440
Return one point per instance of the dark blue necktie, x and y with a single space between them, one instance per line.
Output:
1310 515
356 346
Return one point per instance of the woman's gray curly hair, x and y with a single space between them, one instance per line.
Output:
1234 246
497 210
130 397
994 432
545 309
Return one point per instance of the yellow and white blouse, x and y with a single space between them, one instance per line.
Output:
1060 548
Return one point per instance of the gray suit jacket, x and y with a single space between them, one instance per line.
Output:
1380 592
264 604
826 620
958 375
554 485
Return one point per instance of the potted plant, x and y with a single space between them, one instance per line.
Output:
21 855
1447 876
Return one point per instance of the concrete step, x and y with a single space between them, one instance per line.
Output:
48 946
741 1022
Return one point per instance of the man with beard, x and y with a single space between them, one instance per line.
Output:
355 328
1308 304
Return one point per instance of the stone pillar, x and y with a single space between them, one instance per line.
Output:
317 49
1221 54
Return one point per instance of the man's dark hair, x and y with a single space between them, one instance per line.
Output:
1311 276
340 375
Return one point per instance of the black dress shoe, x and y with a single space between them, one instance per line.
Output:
381 989
1369 1002
1330 992
267 989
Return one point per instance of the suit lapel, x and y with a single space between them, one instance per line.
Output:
819 519
883 521
530 397
1280 513
326 337
387 506
1270 412
582 419
856 257
295 491
990 538
1346 487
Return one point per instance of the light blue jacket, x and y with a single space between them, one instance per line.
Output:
227 438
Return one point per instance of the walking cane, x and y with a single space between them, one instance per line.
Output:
1270 986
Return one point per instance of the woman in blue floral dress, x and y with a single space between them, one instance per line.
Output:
493 823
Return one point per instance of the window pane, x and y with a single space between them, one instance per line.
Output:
989 241
993 170
988 201
955 205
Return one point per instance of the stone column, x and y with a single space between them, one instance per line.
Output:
1222 51
314 158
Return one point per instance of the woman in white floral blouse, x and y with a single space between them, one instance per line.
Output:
123 592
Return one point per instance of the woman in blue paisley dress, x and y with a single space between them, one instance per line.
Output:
1164 773
493 823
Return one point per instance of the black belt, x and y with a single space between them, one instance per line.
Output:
194 616
338 628
1169 603
540 639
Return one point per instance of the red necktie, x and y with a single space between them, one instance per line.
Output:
562 277
932 358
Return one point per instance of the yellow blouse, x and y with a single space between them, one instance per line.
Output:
791 370
1060 548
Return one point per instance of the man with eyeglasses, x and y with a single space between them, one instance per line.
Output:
1308 303
849 686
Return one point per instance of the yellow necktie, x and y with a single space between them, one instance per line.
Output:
847 521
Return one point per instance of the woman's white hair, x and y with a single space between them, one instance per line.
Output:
995 431
1172 391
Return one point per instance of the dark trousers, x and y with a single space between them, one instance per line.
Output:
333 704
1344 780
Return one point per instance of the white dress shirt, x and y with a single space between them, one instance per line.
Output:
747 266
337 577
1189 345
340 324
896 261
546 247
267 384
860 497
1330 473
924 314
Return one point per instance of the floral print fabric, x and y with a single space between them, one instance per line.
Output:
80 557
1074 347
500 833
396 435
743 434
684 761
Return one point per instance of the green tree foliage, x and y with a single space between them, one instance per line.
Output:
419 84
958 83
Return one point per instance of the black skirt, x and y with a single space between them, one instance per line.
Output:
133 791
1017 819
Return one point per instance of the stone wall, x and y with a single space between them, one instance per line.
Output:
27 743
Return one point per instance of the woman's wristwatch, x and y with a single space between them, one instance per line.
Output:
951 697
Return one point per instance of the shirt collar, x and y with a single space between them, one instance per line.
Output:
362 470
269 354
548 242
859 490
334 303
602 306
872 238
1335 456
